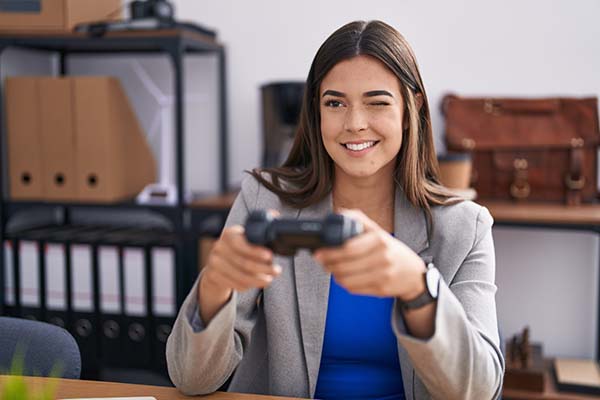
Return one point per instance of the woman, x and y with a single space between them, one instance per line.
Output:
372 318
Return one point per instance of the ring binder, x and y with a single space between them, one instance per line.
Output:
9 279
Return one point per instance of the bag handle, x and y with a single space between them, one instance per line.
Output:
521 106
498 106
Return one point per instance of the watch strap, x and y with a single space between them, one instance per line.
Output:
421 300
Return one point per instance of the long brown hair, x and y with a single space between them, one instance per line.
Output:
307 175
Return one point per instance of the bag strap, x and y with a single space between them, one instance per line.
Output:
575 181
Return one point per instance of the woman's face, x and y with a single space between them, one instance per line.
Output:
361 117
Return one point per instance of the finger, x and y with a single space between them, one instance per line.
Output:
238 242
247 264
243 278
372 282
225 281
358 215
237 285
355 247
369 262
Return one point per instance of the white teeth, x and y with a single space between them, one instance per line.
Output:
359 147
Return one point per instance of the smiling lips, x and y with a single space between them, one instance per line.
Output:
358 148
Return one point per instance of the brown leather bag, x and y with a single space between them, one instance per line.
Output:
527 149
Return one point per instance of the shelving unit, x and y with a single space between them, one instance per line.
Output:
186 223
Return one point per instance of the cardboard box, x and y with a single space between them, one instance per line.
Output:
57 139
74 139
58 15
113 158
23 139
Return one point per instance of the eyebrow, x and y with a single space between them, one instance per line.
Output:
371 93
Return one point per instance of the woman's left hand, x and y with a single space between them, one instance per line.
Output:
374 263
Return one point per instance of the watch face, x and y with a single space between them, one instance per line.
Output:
432 278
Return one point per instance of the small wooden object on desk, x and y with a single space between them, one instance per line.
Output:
524 364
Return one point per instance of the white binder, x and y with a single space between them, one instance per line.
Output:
110 288
82 297
135 281
56 293
163 281
29 270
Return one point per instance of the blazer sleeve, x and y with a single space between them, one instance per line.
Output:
462 359
200 358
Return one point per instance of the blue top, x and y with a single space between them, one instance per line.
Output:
360 353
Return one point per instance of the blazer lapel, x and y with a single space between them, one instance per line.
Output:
410 227
410 224
312 288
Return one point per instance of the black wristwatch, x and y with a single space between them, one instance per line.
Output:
429 295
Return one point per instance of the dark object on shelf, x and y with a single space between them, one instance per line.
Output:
159 9
281 104
524 364
581 376
145 15
527 149
20 6
99 29
286 236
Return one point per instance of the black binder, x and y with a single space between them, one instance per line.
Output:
54 300
82 305
9 286
163 261
136 321
28 274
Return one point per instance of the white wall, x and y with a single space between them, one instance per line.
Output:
538 47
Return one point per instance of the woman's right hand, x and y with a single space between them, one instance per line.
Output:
233 264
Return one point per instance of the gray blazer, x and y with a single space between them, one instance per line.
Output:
273 338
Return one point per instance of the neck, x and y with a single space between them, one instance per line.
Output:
372 195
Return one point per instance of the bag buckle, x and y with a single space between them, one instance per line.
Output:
521 191
490 107
575 184
520 188
467 143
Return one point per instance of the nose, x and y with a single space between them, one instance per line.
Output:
355 120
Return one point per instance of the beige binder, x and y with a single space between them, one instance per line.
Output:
113 159
24 144
57 138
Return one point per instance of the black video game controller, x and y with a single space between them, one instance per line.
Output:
286 236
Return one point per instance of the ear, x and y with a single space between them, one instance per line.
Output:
419 100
